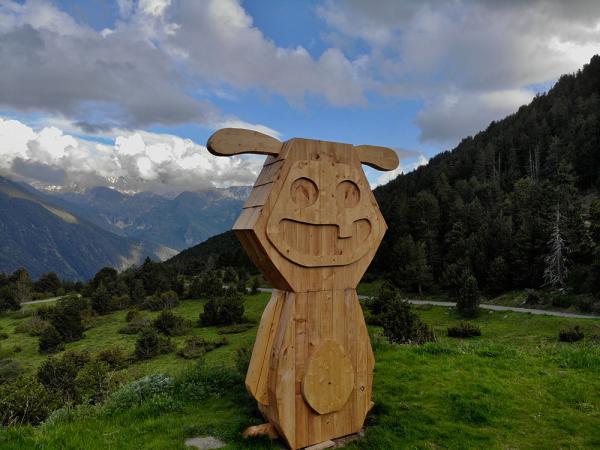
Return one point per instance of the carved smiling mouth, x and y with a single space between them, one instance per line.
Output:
312 244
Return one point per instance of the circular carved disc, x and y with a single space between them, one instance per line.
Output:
329 378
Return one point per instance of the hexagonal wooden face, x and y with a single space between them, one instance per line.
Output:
312 222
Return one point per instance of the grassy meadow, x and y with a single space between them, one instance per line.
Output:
515 387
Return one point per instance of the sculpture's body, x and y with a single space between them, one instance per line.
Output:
312 226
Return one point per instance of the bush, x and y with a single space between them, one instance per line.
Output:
138 391
225 310
114 356
203 381
51 341
166 300
171 324
234 329
8 299
464 330
24 401
197 346
66 317
533 298
9 370
571 334
94 382
119 302
135 327
34 326
132 315
150 344
242 359
58 374
402 326
468 298
254 287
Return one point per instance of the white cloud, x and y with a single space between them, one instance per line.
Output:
412 164
142 160
477 53
145 69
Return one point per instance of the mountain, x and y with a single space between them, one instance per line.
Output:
42 237
179 222
489 207
514 206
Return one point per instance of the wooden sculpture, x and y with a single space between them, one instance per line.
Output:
312 226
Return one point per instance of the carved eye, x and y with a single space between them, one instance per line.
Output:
304 192
347 194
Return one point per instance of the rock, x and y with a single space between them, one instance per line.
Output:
205 443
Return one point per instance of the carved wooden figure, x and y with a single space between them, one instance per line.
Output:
312 226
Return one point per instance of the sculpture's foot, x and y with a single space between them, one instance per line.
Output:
264 429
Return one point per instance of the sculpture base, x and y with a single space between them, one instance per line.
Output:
311 369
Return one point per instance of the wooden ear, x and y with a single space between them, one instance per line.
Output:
380 158
235 141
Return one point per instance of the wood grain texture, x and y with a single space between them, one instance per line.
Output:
312 226
235 141
380 158
328 379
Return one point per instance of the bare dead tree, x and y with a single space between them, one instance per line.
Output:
555 273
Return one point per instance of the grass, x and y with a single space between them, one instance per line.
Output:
514 387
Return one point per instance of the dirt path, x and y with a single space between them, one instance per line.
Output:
540 312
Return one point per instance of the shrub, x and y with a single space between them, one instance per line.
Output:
113 356
119 302
58 374
150 344
571 334
171 324
166 300
234 329
468 298
225 310
101 299
136 392
25 400
132 315
197 346
203 381
34 326
533 298
135 327
94 382
9 370
51 341
385 295
464 330
402 326
3 336
242 359
66 317
8 299
254 287
209 286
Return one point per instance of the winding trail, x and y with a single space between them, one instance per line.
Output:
539 312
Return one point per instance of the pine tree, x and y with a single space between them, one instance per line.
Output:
468 299
555 273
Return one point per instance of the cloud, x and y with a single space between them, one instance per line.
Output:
451 116
458 54
156 65
135 161
407 164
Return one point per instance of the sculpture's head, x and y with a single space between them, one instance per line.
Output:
311 210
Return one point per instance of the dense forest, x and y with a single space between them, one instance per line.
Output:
516 206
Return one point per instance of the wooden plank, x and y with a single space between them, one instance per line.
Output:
269 173
381 158
321 445
258 196
235 141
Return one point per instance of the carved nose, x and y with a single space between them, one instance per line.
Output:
345 230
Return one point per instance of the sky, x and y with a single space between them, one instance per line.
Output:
125 93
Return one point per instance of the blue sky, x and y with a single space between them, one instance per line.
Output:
130 90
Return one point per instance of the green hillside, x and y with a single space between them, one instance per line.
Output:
516 386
